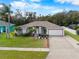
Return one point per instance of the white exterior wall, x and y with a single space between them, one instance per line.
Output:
40 30
37 30
63 32
24 30
47 31
56 32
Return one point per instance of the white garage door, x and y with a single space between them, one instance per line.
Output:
56 32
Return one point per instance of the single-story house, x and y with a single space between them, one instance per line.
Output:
4 26
43 27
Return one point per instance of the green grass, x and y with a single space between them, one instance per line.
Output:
76 37
26 42
22 55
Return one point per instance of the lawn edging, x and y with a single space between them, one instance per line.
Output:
24 49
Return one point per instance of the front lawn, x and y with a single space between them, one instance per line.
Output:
26 42
22 55
76 37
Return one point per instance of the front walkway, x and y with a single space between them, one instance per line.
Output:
60 48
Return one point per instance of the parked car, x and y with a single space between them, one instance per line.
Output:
72 26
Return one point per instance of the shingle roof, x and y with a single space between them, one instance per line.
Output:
3 23
46 24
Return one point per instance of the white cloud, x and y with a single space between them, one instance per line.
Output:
48 7
23 4
19 4
35 0
74 2
34 7
38 6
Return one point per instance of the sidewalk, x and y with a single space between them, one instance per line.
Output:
24 49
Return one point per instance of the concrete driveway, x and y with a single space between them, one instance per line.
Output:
61 48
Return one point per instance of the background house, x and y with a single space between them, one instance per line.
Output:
4 26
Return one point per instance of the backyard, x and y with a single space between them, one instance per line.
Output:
76 37
22 55
20 41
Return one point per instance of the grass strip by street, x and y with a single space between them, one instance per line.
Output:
22 55
76 37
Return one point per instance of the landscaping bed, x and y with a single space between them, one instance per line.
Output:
22 55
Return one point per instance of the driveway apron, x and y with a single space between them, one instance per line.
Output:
60 48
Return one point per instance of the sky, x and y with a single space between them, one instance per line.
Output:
43 7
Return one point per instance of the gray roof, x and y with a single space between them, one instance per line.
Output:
3 23
46 24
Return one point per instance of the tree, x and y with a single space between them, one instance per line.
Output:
3 11
73 16
63 18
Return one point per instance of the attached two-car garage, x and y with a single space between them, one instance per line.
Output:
54 30
58 32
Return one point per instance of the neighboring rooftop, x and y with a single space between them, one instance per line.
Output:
46 24
3 23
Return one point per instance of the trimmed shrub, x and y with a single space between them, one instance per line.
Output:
77 31
76 27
